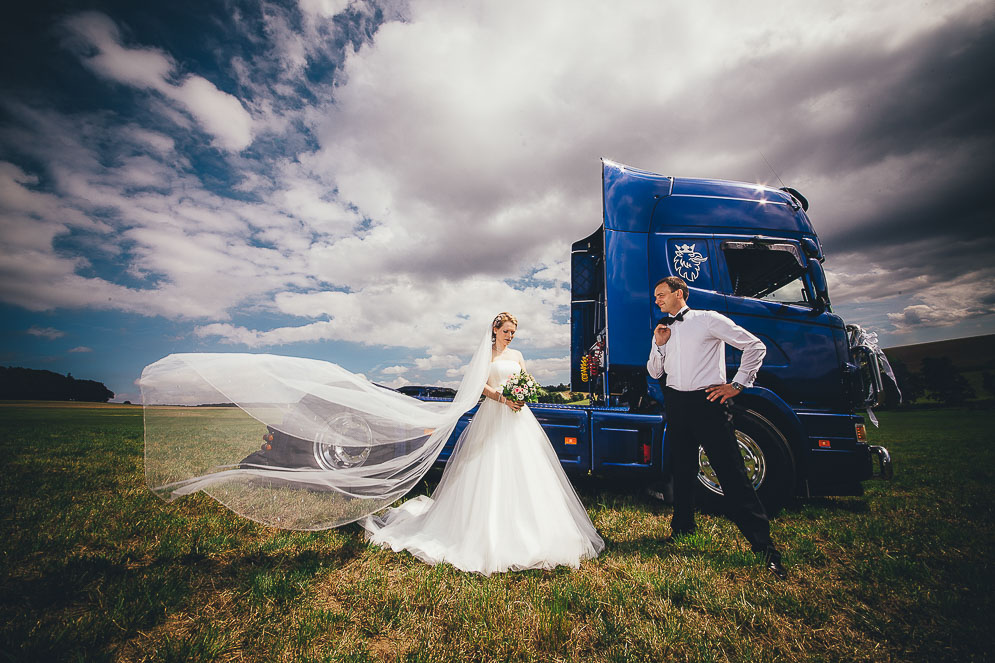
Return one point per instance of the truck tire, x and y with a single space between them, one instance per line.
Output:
767 458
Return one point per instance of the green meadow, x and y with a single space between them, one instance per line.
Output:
96 568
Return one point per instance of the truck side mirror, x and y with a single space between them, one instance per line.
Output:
810 247
818 276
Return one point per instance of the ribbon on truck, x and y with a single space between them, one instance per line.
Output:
868 339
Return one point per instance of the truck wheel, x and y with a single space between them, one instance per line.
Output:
767 458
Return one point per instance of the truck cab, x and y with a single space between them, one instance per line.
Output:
751 253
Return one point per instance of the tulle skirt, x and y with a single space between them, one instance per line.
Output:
503 504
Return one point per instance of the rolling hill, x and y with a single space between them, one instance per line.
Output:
975 353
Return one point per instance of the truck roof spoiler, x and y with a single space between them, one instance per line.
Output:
794 193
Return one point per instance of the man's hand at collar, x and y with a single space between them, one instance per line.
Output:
661 334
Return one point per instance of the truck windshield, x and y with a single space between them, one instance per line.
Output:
772 271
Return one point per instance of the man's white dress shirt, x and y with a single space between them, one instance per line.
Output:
695 358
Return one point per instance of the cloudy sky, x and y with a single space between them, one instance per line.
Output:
357 180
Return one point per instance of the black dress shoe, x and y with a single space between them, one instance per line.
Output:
773 565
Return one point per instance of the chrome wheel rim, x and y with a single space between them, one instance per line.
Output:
344 441
753 460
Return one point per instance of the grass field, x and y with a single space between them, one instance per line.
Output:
94 567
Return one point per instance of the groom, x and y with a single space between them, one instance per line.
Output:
690 348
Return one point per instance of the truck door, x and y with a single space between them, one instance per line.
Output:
768 291
688 256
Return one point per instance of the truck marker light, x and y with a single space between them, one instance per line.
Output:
825 443
570 440
647 453
861 432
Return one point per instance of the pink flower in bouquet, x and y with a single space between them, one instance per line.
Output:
521 387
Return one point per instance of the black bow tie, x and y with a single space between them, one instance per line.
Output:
671 320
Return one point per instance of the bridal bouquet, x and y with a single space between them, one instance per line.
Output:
521 387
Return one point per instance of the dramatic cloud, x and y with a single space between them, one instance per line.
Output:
391 174
443 317
218 113
947 303
860 123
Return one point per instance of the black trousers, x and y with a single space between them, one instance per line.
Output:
693 420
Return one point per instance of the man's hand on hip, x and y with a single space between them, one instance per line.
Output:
721 392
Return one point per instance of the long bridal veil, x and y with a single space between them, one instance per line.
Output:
309 445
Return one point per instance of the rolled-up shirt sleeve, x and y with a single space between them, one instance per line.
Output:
753 348
654 365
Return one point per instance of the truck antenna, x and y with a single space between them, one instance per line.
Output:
771 167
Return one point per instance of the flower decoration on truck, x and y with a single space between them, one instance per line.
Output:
592 362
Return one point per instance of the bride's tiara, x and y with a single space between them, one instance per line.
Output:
504 317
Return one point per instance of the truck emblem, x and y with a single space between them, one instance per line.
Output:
687 262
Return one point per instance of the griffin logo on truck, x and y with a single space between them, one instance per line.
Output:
687 262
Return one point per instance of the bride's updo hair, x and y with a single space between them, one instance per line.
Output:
500 320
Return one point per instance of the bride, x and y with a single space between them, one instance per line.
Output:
338 448
504 502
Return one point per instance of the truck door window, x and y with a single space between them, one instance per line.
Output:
792 293
765 270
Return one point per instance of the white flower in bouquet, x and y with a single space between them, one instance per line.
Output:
521 387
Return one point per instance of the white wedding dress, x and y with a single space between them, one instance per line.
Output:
338 448
503 504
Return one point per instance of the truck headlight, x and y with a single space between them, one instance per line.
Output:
344 441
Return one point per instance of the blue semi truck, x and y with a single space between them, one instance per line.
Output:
747 251
751 253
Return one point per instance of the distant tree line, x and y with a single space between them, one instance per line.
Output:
937 380
34 385
554 394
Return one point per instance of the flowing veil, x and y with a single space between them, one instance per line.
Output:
309 446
